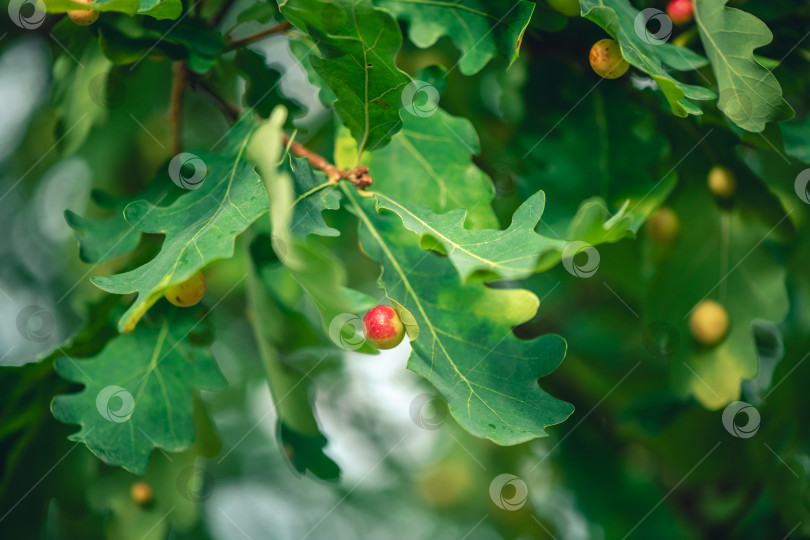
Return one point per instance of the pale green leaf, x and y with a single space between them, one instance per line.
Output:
750 95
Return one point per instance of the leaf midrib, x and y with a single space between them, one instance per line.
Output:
361 213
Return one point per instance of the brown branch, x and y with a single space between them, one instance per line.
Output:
176 104
358 176
238 43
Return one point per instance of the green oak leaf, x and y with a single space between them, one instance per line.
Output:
137 392
509 254
358 44
430 163
720 255
750 95
314 193
479 29
465 346
644 51
199 227
103 239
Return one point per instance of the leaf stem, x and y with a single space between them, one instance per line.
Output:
358 176
176 104
239 43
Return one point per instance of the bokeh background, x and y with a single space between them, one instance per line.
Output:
639 458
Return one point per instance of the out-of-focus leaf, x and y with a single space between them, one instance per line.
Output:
720 255
159 9
465 346
200 226
479 29
430 163
358 44
750 95
75 73
261 12
647 53
137 392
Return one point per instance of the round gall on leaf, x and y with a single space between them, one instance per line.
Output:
383 327
83 17
680 11
188 293
708 323
663 226
721 181
607 60
141 494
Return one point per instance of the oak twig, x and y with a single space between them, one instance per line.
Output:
179 82
239 43
358 176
